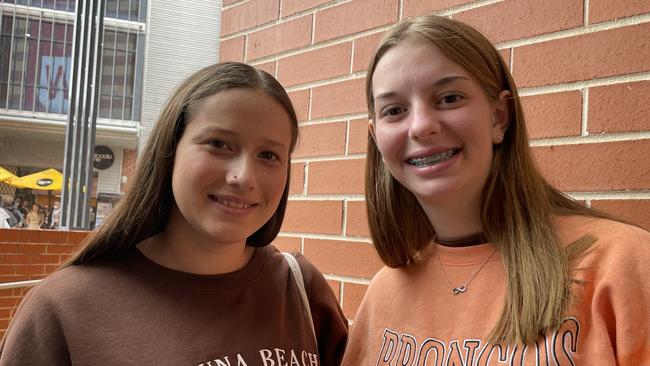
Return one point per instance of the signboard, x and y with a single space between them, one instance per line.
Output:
104 157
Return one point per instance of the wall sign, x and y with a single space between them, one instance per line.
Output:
104 157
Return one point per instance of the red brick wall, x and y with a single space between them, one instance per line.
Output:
30 255
128 167
584 72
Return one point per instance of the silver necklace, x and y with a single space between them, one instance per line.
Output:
457 290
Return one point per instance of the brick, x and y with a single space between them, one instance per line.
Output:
321 140
297 184
517 19
11 235
620 51
300 101
30 269
61 249
268 67
505 55
352 295
247 15
636 211
24 236
8 247
287 244
7 269
232 49
411 8
8 302
357 219
358 136
16 259
355 259
619 108
604 166
49 268
77 237
27 248
364 48
290 7
553 115
45 259
336 177
317 217
129 157
281 37
319 64
601 10
336 288
354 17
345 97
228 2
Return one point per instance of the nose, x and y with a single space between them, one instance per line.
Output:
241 174
424 122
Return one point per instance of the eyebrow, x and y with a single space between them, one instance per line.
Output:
211 130
438 83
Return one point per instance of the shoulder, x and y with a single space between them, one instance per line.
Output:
611 236
61 288
309 272
619 254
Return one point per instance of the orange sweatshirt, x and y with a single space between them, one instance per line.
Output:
410 316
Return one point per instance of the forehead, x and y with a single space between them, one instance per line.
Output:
413 62
246 112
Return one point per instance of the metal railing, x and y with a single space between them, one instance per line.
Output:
18 284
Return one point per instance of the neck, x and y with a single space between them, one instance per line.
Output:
175 250
454 221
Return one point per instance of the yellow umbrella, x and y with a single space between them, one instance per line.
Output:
49 180
5 174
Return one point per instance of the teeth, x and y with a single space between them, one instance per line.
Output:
232 204
432 159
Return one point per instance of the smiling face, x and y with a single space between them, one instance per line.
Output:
230 167
434 126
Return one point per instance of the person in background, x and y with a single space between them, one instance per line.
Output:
34 218
181 272
486 261
56 215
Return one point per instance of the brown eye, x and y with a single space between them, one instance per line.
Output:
219 145
393 111
450 99
268 155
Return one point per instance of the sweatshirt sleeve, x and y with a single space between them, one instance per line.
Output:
621 300
35 335
330 324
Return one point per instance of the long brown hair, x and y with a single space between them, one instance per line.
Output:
144 210
518 203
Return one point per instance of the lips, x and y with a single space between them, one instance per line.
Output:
432 159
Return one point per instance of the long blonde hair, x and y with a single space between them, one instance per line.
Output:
518 203
144 210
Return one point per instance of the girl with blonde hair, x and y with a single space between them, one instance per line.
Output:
486 262
182 272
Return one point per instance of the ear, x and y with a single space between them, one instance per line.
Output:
501 116
371 127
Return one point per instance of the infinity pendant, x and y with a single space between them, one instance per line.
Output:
459 290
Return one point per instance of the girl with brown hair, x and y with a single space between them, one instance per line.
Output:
487 263
181 272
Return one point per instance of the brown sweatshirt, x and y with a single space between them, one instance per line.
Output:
135 312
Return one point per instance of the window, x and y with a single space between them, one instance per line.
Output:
36 56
